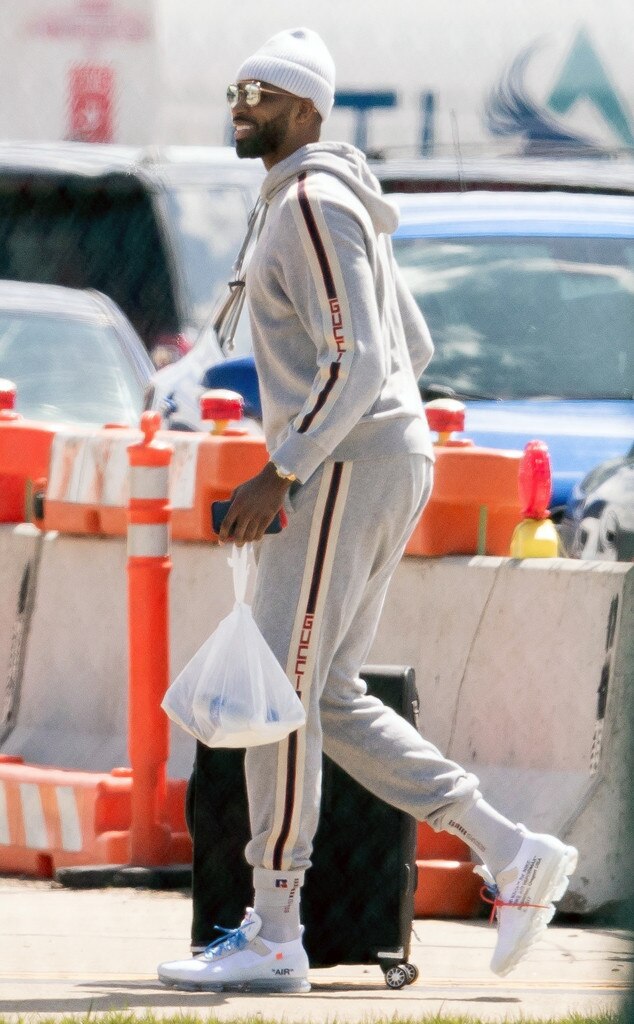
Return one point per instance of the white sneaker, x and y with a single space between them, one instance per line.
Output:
242 960
525 893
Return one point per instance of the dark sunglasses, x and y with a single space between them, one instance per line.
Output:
250 92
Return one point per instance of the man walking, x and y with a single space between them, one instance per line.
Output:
339 344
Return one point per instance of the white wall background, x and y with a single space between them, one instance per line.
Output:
173 58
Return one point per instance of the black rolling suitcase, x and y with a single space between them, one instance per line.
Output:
358 897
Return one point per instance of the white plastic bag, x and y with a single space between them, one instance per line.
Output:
234 692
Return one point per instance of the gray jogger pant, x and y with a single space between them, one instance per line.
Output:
320 589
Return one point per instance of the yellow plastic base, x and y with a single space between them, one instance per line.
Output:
535 538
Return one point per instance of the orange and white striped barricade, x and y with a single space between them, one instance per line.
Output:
58 818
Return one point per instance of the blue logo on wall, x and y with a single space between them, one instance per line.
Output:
511 111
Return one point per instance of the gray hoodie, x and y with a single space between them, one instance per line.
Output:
338 339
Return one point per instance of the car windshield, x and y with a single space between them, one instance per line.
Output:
69 370
526 317
99 234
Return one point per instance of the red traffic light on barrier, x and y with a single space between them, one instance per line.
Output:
535 481
221 405
445 415
8 392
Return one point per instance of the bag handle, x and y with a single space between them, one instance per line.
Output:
239 562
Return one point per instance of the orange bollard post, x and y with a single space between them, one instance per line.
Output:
149 566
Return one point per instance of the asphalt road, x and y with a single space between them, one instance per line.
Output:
67 951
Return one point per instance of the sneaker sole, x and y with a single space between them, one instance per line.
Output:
553 888
286 985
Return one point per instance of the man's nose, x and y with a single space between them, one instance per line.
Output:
240 105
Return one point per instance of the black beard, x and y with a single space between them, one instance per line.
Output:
264 140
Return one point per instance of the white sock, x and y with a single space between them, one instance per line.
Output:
491 836
277 899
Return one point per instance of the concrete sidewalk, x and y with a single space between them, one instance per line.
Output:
66 951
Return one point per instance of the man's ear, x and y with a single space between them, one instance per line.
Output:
307 113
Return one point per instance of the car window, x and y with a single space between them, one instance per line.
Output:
526 317
70 370
99 234
210 226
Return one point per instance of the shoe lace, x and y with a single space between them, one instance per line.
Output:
490 893
230 941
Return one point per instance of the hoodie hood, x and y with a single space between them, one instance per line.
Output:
345 162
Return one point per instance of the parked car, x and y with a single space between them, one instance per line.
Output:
73 355
599 518
156 230
530 301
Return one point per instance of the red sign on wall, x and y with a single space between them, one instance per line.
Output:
91 103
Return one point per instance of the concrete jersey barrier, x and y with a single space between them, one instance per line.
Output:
523 669
524 673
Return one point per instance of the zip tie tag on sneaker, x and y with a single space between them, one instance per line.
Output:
496 902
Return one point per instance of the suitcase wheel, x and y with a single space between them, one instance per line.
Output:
399 975
396 977
411 971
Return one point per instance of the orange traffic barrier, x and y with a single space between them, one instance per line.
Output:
87 488
88 468
52 818
224 462
24 457
474 506
432 845
447 886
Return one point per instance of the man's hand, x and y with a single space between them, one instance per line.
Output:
254 505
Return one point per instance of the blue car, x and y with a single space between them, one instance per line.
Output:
530 301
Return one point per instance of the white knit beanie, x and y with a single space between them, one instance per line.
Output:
298 62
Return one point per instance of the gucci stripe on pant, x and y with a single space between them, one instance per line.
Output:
320 589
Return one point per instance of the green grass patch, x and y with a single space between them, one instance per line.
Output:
129 1017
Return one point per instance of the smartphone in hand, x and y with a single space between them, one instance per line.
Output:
219 510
